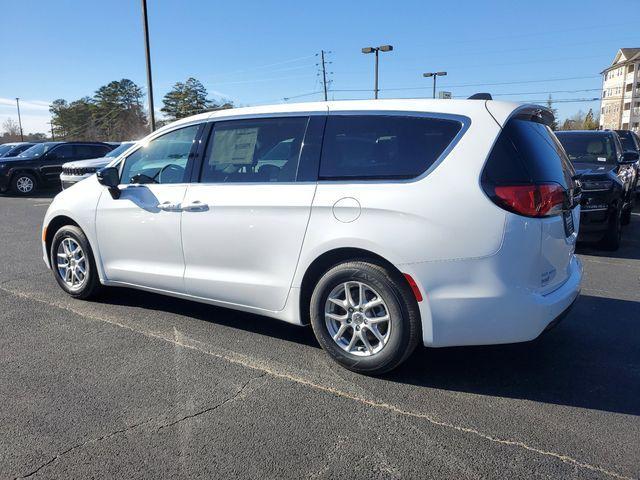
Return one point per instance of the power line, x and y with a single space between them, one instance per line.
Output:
537 93
260 67
490 84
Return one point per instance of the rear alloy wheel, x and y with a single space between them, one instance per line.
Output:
357 318
72 263
23 184
365 317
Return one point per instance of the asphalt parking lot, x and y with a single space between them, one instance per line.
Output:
137 385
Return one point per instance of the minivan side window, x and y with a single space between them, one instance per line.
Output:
163 160
383 146
257 150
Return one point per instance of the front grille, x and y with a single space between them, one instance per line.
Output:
79 170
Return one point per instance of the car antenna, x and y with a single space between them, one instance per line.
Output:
480 96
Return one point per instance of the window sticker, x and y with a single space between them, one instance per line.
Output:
602 159
234 146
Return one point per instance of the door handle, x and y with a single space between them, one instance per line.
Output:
195 206
169 207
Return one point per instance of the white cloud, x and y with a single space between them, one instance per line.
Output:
24 104
34 113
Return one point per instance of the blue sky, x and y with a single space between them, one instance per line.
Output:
263 51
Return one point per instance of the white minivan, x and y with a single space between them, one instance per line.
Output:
382 223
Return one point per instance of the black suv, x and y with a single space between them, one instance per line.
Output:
606 173
631 142
40 165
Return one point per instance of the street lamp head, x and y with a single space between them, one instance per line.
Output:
440 74
368 50
385 48
428 74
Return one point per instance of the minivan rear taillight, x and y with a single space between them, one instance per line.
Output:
537 200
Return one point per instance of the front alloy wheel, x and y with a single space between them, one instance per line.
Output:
72 264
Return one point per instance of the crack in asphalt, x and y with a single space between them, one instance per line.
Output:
256 365
56 457
215 407
82 444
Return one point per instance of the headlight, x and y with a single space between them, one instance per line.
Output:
593 185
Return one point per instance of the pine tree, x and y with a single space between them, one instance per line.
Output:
589 121
188 98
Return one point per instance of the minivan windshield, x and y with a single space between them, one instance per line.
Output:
594 147
37 150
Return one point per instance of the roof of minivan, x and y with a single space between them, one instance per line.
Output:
498 109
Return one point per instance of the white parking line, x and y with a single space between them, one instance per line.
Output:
41 204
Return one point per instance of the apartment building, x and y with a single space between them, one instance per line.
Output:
620 105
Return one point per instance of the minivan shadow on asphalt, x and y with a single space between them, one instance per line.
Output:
591 360
209 313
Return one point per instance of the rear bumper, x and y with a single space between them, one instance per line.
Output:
483 309
594 221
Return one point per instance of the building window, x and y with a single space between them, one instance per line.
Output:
629 87
630 68
627 106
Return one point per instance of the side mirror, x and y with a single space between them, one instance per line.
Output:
629 157
110 178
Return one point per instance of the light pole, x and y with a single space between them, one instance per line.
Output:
434 75
376 50
19 119
145 23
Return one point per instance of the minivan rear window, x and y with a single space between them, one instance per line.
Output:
527 152
383 146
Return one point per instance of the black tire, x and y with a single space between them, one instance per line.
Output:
404 326
625 219
20 183
611 239
91 284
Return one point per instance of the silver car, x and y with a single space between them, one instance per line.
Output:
73 172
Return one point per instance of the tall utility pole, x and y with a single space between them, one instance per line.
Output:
376 50
324 74
19 119
152 116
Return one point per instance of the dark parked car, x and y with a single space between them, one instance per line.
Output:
631 142
13 149
606 173
40 165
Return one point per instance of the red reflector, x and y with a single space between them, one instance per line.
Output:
532 200
414 287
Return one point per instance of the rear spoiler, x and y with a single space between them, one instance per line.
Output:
536 113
